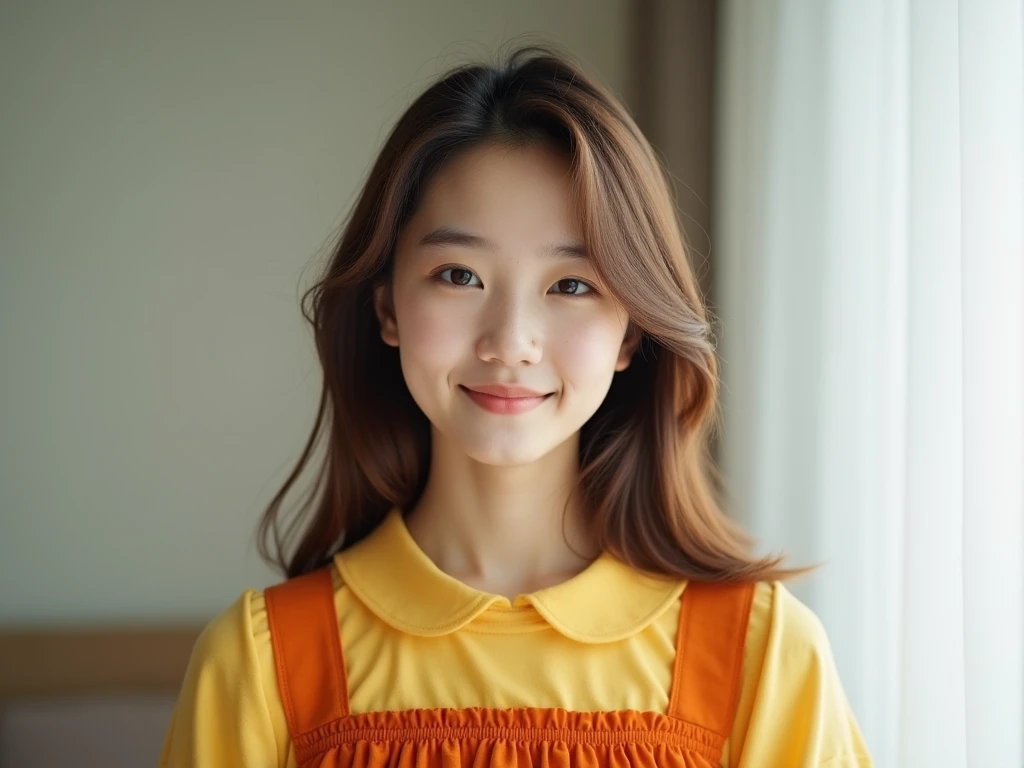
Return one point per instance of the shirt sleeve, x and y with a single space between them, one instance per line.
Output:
221 716
793 710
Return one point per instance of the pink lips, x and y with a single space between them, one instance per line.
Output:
499 398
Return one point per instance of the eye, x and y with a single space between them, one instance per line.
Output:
571 286
457 276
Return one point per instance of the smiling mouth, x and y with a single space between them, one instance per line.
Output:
507 404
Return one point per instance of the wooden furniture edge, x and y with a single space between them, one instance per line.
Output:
56 662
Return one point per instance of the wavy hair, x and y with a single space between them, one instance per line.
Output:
647 478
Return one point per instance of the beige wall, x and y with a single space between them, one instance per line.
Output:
167 171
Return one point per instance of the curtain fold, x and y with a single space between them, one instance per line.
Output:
869 247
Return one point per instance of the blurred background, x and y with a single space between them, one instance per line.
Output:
850 176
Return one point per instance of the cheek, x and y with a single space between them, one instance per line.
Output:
589 349
431 330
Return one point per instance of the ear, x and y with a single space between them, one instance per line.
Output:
629 346
384 306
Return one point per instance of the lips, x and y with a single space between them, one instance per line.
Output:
505 399
505 390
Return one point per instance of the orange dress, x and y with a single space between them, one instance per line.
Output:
311 675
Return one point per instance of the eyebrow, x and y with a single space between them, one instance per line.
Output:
460 238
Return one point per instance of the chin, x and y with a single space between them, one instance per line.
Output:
506 454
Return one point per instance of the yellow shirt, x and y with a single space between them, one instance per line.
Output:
415 637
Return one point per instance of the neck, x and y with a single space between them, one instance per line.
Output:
506 530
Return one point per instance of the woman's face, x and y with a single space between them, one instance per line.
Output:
492 288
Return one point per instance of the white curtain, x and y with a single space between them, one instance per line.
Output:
869 246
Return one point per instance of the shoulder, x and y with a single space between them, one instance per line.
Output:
781 616
231 630
241 626
235 644
792 700
245 623
247 620
228 708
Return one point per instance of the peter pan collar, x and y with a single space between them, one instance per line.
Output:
395 579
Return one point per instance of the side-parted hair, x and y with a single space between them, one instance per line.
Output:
647 478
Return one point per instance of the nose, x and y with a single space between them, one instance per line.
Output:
510 333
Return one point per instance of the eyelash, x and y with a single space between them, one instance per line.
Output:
436 275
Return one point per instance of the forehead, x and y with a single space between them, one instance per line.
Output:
512 196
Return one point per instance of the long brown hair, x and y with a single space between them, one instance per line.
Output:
647 477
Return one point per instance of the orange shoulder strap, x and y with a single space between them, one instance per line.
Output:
709 654
306 638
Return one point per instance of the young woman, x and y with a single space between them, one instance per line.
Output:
513 554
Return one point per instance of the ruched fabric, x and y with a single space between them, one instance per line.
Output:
325 734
